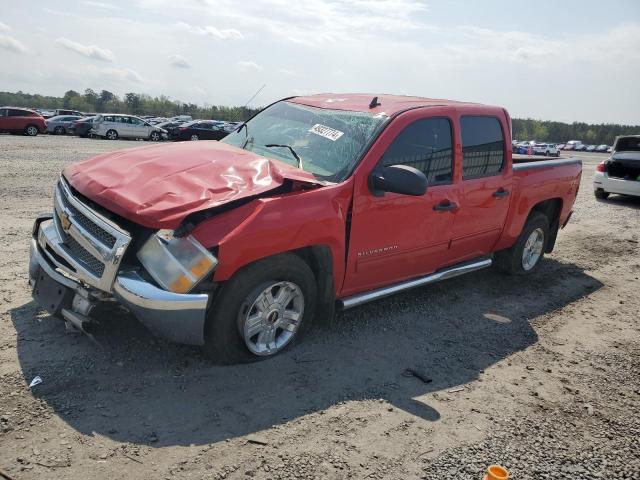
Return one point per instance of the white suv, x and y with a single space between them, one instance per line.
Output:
548 149
621 172
115 125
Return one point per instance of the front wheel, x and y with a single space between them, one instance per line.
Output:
194 137
59 131
112 135
526 254
261 310
31 131
154 137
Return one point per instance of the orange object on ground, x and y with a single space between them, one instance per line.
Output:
496 472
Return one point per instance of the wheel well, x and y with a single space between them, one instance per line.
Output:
551 208
320 260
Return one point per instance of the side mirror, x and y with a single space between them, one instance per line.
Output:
400 179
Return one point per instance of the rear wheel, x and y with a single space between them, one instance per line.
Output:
112 135
59 131
262 310
31 130
601 194
194 137
525 255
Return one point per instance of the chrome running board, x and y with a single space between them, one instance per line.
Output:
456 270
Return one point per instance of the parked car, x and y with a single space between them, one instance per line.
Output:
182 118
200 130
573 144
82 127
21 120
602 148
560 146
61 124
580 148
239 245
590 148
114 126
547 149
620 173
171 126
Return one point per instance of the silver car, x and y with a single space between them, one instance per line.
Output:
116 125
61 124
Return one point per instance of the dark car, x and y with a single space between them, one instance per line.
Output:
200 130
21 120
171 126
82 127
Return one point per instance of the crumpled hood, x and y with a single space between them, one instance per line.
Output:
158 186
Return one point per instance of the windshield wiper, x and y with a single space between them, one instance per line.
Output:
293 152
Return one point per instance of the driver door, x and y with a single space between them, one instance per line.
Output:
395 237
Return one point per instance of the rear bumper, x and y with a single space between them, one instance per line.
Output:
616 185
176 317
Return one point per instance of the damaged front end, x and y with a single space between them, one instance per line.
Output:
76 261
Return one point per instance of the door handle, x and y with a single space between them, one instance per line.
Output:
500 193
445 205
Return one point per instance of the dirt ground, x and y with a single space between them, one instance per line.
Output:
539 374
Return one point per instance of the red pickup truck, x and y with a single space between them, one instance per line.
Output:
315 203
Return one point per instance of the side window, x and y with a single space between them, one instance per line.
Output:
482 147
425 145
3 112
136 121
18 113
108 118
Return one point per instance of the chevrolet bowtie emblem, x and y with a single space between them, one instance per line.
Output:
65 223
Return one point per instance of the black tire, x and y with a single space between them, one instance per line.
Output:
111 135
154 136
194 137
224 342
31 131
511 260
601 194
59 131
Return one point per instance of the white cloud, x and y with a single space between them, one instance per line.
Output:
89 51
120 74
211 31
179 61
107 6
4 27
13 45
247 66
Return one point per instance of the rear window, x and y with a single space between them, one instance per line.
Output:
482 147
628 144
19 113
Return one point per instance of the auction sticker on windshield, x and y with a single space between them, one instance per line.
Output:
326 132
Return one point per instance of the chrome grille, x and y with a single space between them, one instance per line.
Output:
90 262
102 235
83 243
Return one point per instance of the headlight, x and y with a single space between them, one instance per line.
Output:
176 263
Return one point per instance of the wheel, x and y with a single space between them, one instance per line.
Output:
261 310
547 153
601 194
112 135
195 137
59 131
31 130
154 137
525 255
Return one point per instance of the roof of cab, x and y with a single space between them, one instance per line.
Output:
388 104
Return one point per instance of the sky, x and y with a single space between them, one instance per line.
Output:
564 60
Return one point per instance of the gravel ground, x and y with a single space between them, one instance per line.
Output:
539 374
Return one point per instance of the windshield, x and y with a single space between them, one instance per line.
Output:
329 142
628 144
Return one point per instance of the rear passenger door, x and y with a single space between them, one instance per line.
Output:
394 237
485 187
123 126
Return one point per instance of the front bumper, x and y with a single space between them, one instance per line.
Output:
176 317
